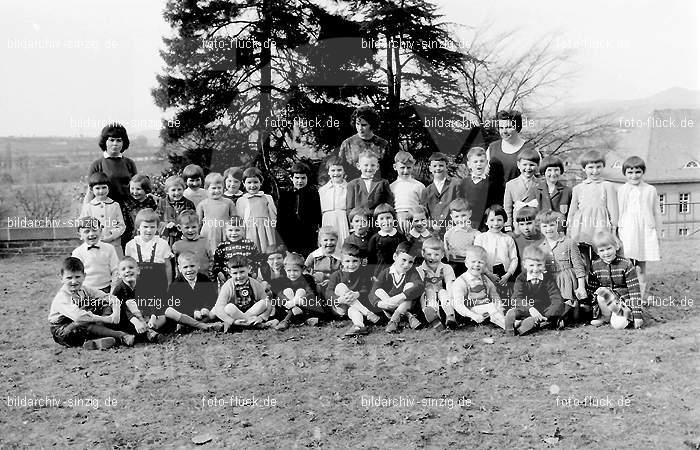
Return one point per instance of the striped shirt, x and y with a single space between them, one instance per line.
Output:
621 277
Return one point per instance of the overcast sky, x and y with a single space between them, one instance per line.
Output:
105 54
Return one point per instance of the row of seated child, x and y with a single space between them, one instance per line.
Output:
429 293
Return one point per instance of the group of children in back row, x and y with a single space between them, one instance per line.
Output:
373 250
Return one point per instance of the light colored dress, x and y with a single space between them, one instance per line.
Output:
214 213
260 215
111 218
593 209
565 262
333 208
637 227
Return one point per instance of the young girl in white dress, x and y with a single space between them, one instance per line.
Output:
333 195
640 218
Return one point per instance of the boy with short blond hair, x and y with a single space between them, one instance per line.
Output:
406 189
99 258
474 295
460 235
368 190
438 195
189 225
437 278
191 291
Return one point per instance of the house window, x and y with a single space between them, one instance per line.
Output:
691 165
662 203
683 201
682 232
663 234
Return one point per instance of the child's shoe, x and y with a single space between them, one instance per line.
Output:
393 327
128 340
597 322
432 317
356 330
526 326
451 322
154 336
312 321
100 343
283 325
216 326
372 317
413 322
271 323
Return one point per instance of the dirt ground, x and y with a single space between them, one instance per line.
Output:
307 387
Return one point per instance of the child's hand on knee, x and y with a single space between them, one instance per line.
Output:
638 323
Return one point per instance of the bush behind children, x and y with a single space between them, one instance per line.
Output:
445 255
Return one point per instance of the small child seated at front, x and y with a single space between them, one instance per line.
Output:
437 278
79 315
189 225
325 260
299 295
473 294
536 296
131 319
190 291
614 285
242 300
348 290
397 288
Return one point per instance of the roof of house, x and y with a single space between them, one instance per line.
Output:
668 141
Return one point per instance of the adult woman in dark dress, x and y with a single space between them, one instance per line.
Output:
503 154
365 120
119 169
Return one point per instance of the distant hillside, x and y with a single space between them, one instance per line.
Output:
641 108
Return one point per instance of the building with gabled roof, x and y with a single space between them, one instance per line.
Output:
669 142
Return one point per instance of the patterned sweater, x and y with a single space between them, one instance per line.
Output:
621 277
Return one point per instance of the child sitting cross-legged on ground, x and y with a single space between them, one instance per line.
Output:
348 289
79 315
242 300
536 296
397 288
191 291
474 295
